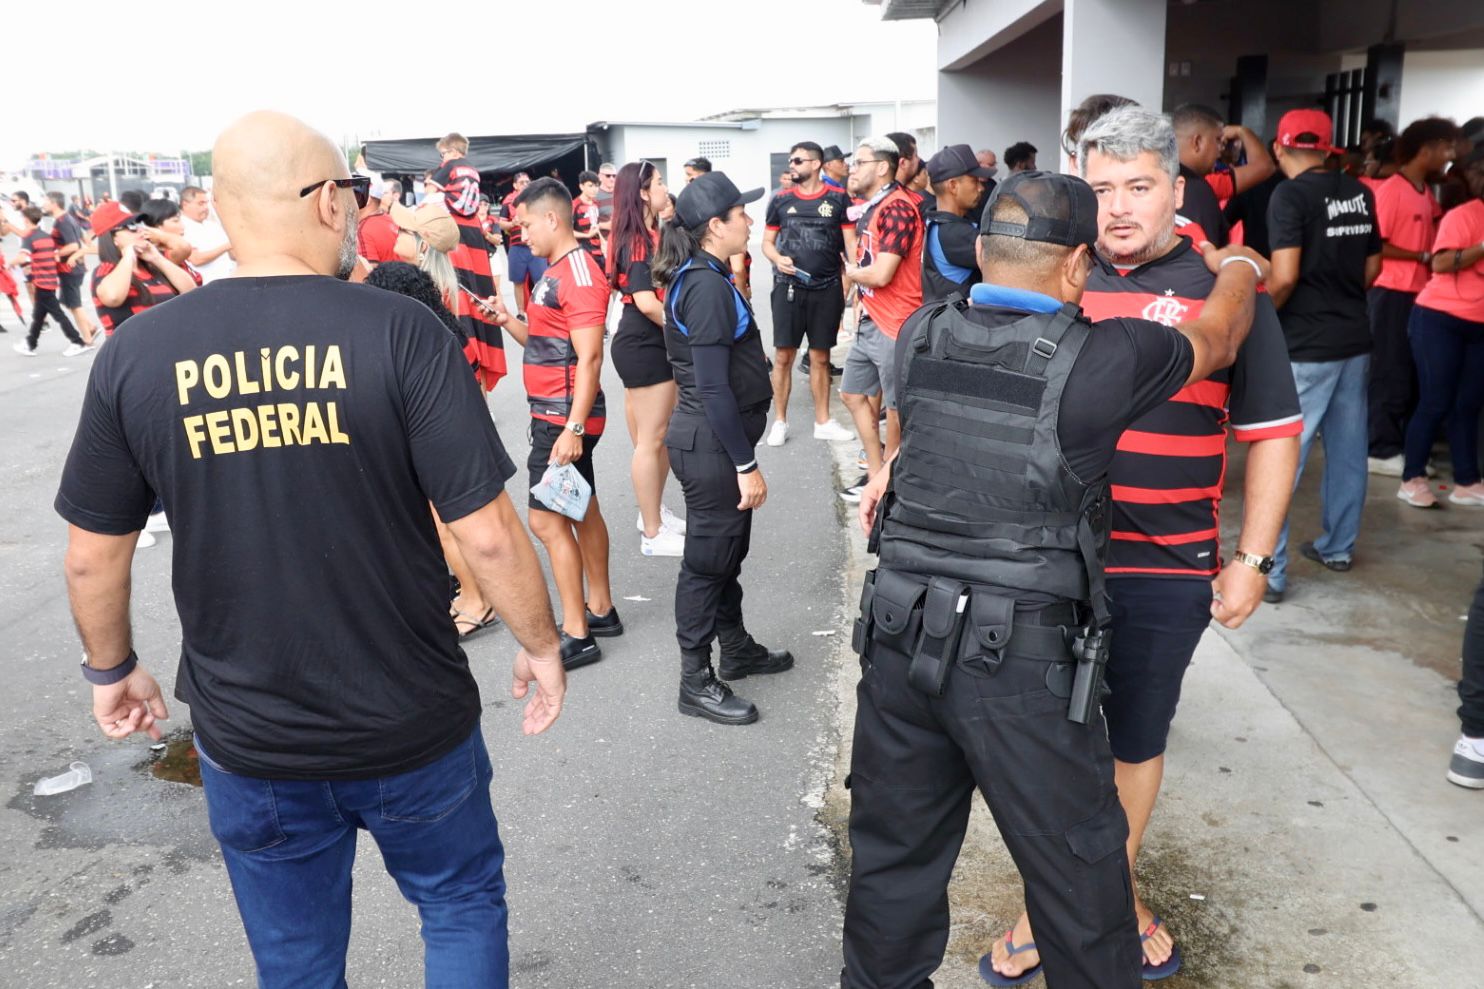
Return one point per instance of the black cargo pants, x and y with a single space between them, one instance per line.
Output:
1047 781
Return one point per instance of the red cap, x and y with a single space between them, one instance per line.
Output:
1297 124
110 216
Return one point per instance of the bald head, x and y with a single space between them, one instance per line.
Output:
261 162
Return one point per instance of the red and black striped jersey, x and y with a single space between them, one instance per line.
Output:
157 289
484 344
1168 472
513 236
572 295
631 265
460 183
43 251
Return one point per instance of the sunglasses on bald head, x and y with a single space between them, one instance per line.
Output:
359 185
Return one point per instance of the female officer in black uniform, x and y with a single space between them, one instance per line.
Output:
724 392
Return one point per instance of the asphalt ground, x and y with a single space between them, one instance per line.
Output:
644 849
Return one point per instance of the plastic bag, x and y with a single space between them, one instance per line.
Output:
78 774
565 491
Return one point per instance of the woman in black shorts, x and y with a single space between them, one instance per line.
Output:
638 350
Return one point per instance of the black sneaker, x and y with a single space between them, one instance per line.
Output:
1310 553
804 363
852 493
1272 595
605 627
577 653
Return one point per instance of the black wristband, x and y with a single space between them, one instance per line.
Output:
105 678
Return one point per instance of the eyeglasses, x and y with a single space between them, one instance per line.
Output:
857 162
801 161
359 185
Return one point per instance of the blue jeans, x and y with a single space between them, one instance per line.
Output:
1449 353
289 846
1333 397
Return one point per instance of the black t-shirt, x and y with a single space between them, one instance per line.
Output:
1331 217
1201 205
297 429
1250 209
811 232
1126 368
703 307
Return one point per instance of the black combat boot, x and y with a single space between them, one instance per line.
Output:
704 696
741 656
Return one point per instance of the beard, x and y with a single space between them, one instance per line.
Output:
345 259
1156 247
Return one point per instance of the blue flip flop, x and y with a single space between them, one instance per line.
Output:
1171 965
988 974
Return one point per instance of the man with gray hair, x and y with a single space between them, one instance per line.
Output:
1165 577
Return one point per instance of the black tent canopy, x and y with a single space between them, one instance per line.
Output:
491 155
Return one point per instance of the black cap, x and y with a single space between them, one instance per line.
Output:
953 161
711 195
1060 209
833 153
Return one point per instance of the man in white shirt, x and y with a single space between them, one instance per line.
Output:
211 253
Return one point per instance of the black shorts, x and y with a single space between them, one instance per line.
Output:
814 313
1157 623
71 288
638 350
543 437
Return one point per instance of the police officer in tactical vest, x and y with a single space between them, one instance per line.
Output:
982 632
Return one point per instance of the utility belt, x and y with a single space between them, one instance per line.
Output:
940 622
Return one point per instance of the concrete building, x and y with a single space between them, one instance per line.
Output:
1010 70
752 145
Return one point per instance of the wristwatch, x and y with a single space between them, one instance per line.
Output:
1262 564
575 428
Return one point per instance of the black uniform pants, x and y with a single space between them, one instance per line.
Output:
708 593
1049 784
1393 385
1471 684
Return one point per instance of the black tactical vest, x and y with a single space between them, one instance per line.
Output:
979 490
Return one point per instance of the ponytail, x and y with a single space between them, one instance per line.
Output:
677 244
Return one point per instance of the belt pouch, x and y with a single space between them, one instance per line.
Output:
994 621
943 615
896 609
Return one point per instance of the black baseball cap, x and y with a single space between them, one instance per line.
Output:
712 195
1060 209
953 161
833 153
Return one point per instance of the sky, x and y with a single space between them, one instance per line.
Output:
367 70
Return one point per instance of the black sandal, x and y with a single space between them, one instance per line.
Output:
475 626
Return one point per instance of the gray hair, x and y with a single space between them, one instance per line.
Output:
439 267
1127 132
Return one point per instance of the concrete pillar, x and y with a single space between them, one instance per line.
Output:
1112 46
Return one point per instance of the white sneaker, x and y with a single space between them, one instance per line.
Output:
778 433
670 520
1386 466
1472 494
157 523
1417 493
74 349
21 348
1467 765
664 543
146 540
832 431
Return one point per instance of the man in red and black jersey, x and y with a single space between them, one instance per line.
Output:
563 340
1165 575
72 269
888 272
1202 134
376 234
526 269
809 234
585 217
39 254
459 181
